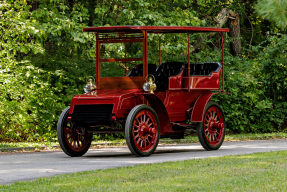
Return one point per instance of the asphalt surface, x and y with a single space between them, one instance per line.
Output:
29 166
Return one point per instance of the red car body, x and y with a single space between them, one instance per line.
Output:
183 94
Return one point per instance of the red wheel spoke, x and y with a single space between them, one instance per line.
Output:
147 120
138 121
208 115
214 114
147 141
68 130
138 141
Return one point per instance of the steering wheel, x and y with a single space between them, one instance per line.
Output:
123 65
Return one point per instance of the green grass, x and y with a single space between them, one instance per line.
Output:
4 145
232 137
118 141
254 172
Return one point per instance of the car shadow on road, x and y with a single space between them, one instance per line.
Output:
126 154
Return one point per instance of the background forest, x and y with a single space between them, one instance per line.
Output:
45 57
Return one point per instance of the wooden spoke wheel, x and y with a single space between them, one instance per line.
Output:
211 131
73 140
142 130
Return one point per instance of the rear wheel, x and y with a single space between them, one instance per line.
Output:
73 140
142 130
211 131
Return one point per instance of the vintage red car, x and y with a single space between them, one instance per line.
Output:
142 100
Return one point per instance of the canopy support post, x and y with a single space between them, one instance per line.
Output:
159 54
188 60
222 61
145 53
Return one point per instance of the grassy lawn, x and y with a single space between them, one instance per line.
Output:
117 142
232 137
27 144
254 172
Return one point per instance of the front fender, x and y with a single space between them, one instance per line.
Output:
158 106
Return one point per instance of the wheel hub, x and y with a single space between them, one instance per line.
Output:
213 126
145 131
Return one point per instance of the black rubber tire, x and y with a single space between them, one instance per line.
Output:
62 140
129 130
200 129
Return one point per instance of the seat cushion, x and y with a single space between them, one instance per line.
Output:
138 70
164 71
204 69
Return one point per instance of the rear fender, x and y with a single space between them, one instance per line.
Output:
199 107
158 106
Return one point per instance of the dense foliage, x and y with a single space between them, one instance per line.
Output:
273 10
45 58
257 85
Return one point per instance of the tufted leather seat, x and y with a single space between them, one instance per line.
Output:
164 71
204 69
138 70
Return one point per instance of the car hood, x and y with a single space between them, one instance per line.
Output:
107 94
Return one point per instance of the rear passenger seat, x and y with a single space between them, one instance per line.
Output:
138 70
164 71
204 69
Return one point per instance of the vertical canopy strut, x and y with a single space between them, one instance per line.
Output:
159 43
222 61
188 60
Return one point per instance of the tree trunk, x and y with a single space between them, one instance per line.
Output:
234 26
222 18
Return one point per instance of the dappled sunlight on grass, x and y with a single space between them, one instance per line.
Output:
26 144
255 172
121 142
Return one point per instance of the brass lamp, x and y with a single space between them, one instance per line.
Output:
90 84
149 85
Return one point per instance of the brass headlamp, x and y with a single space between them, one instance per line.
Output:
149 85
90 84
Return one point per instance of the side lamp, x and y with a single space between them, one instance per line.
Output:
90 84
149 85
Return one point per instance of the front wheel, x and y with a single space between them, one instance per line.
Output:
73 140
142 130
211 131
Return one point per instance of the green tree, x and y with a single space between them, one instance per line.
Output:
45 57
274 11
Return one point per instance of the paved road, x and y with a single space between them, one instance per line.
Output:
28 166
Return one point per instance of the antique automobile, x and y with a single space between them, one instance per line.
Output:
145 101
